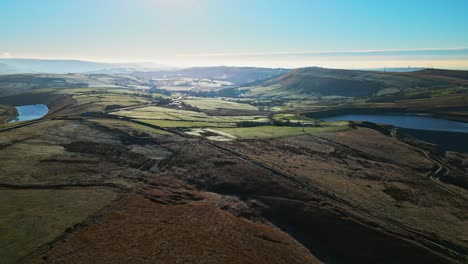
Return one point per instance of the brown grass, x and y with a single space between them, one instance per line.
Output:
142 231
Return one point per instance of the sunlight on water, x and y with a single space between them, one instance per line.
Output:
30 112
407 121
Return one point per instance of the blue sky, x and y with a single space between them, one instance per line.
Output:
235 32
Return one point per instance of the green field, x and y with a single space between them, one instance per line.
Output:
276 131
103 100
156 112
81 90
171 123
215 103
294 118
184 118
171 118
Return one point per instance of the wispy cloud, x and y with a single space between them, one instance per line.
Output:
5 55
382 52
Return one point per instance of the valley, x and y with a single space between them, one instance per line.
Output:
233 132
235 165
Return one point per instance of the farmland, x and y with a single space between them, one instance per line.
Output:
170 117
273 131
233 132
154 168
213 103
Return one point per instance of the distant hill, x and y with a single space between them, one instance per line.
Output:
237 75
450 76
9 66
405 69
51 66
145 71
318 82
7 69
17 83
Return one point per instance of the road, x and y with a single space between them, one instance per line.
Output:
441 168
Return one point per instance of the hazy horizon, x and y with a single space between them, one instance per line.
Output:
336 132
332 34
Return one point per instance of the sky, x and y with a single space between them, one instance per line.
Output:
270 33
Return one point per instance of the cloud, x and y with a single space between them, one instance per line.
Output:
5 55
383 52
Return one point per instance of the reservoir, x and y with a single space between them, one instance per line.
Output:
421 122
30 112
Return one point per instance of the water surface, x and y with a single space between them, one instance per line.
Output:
422 122
30 112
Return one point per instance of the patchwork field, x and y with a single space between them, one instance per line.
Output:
123 171
214 103
170 117
274 131
103 100
183 123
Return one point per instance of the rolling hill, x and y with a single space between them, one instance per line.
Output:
24 65
319 82
50 66
18 83
237 75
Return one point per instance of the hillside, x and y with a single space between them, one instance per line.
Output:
18 83
115 173
450 76
319 82
7 69
50 66
14 65
237 75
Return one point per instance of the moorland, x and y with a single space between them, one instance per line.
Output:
232 165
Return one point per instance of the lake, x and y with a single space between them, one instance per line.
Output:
421 122
30 112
